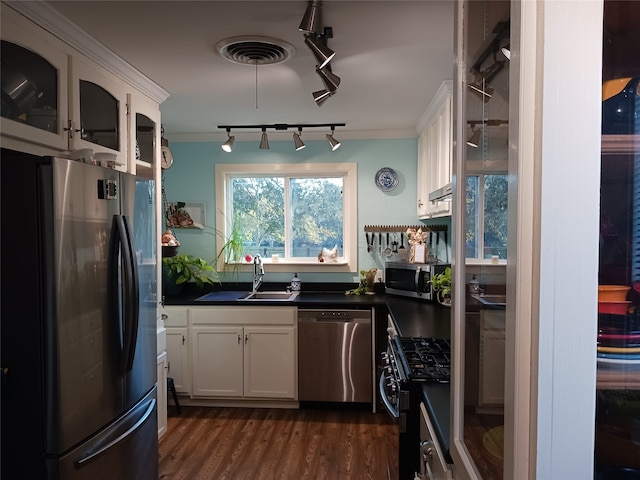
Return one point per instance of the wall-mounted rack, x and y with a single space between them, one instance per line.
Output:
404 228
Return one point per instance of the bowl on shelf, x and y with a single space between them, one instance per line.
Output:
612 293
616 308
170 250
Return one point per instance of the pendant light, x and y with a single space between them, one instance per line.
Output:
335 144
297 141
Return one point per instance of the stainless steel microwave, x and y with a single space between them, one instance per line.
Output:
411 279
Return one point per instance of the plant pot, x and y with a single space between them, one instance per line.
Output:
169 286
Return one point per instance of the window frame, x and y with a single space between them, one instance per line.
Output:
347 170
481 169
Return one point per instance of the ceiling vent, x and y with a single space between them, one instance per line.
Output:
255 50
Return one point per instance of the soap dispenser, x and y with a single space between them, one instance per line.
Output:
295 283
474 285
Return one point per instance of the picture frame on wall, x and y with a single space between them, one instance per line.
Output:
185 215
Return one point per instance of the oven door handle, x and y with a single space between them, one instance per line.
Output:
387 404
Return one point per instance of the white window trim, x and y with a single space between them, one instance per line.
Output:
349 171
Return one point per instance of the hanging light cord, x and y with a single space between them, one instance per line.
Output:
256 84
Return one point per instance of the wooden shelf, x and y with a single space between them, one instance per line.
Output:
404 228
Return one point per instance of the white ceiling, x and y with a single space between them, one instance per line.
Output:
391 56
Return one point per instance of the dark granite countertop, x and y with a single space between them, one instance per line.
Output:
412 318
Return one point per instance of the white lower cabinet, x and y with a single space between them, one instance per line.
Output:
492 357
178 358
244 352
176 323
162 393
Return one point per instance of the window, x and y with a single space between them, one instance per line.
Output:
486 216
289 213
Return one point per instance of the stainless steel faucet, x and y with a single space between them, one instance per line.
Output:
258 273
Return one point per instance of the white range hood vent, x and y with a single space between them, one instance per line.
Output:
442 194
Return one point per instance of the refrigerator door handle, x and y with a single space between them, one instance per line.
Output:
127 293
132 297
107 443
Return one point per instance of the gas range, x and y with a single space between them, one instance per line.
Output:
424 359
408 365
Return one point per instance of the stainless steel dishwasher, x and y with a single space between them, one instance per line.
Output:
334 355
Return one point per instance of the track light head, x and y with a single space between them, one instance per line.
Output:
312 19
297 141
321 96
320 50
335 144
480 86
474 140
264 140
228 145
331 80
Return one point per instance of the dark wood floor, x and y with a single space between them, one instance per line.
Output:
264 444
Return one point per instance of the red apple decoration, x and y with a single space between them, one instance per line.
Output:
248 258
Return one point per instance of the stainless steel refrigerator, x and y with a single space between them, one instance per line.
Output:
78 283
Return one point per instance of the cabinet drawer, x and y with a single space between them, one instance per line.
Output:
243 315
174 316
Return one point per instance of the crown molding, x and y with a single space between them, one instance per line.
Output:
445 89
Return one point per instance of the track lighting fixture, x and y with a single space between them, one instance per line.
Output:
228 145
312 19
335 144
264 140
297 141
319 48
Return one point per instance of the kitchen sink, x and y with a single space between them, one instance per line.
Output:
492 300
282 296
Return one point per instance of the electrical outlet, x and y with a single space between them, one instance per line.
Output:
379 276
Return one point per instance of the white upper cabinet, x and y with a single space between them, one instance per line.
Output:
98 105
63 91
435 153
34 84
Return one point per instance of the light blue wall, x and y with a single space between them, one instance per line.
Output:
191 179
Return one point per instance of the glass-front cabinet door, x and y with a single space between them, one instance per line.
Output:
98 107
480 311
617 425
34 79
143 135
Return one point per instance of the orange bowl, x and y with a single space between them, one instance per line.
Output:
616 308
612 293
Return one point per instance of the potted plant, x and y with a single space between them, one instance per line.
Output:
182 269
441 284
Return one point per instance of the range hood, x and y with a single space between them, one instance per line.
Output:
443 194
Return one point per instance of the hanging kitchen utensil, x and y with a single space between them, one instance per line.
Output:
436 254
394 245
446 248
380 243
387 251
402 252
369 242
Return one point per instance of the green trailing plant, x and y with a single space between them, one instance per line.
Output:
441 284
184 268
362 285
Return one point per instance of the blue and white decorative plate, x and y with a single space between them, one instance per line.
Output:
386 179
